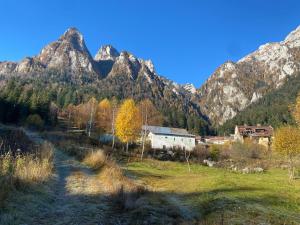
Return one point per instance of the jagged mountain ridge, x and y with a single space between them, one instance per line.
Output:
235 85
70 55
110 73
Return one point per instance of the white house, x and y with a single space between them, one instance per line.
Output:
167 137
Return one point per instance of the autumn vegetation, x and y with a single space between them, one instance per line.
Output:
23 168
287 140
121 120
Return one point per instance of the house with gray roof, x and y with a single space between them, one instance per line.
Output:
168 137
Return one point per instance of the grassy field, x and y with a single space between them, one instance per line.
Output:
217 196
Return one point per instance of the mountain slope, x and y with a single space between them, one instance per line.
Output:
68 54
233 86
271 109
65 66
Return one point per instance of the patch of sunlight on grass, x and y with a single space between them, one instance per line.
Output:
261 195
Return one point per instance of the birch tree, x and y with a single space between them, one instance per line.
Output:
287 143
128 122
114 111
91 106
150 116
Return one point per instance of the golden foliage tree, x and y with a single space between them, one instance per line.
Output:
287 143
128 122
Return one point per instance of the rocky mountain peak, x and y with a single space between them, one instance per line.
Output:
69 53
190 88
73 37
107 52
150 66
293 38
233 86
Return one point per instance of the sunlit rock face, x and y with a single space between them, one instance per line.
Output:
235 85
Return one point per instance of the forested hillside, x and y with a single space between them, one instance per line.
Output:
65 73
46 95
271 109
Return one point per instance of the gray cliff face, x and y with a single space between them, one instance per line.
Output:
68 53
110 71
233 86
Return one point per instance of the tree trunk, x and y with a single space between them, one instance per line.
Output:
113 142
69 118
144 135
91 120
291 169
113 129
127 147
187 156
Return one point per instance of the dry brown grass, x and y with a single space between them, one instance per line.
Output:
17 172
123 191
95 159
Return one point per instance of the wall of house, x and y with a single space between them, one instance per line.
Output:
169 141
237 135
264 141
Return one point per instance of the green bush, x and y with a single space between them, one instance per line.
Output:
34 121
214 152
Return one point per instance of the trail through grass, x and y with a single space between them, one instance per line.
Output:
74 196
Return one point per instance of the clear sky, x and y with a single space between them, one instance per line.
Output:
186 39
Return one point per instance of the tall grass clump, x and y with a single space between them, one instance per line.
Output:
95 159
18 171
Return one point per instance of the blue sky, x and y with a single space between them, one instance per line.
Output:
186 39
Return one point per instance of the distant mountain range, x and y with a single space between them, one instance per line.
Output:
229 90
68 62
235 85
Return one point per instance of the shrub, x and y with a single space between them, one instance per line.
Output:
247 150
95 160
214 152
200 153
34 121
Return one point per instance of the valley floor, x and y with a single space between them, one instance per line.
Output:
218 196
76 195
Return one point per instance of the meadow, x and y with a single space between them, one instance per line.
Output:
219 196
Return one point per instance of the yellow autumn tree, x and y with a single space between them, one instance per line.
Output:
128 122
104 115
287 143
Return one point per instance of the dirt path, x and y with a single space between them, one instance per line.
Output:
74 196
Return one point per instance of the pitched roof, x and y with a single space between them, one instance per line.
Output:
168 131
256 131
